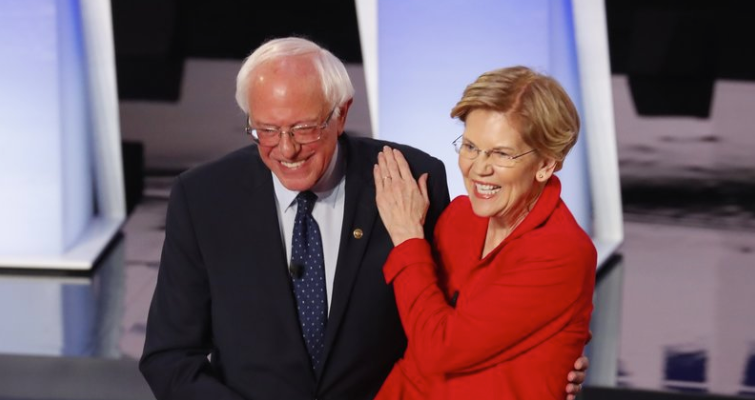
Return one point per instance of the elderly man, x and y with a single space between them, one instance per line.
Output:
270 283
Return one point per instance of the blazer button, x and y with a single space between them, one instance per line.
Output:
358 233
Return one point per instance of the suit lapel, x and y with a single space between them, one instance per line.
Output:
360 212
261 232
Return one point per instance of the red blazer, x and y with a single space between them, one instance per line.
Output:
521 315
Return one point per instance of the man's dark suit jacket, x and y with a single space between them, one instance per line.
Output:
223 288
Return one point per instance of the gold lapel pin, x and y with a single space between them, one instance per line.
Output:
358 233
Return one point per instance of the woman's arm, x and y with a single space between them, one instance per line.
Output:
514 312
510 314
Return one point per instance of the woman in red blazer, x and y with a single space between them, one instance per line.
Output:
499 307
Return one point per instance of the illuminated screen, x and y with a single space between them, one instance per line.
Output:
429 52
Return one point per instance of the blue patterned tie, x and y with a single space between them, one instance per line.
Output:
309 281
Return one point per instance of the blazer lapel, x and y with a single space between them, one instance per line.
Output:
360 212
261 233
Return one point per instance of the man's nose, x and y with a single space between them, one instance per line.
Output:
288 146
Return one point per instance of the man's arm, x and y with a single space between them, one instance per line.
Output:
178 339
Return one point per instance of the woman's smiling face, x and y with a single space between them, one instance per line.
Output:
497 191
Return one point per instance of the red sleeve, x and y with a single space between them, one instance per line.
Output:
520 307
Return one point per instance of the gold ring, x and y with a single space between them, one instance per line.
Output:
387 177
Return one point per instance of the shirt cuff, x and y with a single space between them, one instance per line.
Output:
412 251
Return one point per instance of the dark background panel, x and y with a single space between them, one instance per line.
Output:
673 50
154 37
232 28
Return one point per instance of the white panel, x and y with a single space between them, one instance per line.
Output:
564 67
367 17
30 127
103 107
427 54
76 165
59 125
598 121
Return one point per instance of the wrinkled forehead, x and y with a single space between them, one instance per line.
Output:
290 71
491 129
287 87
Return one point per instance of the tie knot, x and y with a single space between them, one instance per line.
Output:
305 201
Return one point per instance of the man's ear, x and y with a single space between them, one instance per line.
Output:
344 112
547 167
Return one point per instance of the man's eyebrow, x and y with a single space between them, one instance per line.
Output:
313 121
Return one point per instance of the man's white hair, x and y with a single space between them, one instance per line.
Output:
335 82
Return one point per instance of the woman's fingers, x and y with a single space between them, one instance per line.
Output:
402 201
403 165
393 172
394 165
390 161
385 174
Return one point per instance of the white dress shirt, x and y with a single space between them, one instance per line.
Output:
328 212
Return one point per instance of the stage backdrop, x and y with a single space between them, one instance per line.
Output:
60 161
419 57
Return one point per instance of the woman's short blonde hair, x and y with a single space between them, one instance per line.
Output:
536 105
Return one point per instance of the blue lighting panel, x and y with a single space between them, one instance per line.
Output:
45 161
429 52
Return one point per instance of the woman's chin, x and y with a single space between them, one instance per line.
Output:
485 207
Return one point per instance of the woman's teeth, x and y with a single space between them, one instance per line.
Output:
487 189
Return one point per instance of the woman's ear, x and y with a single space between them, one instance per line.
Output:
547 167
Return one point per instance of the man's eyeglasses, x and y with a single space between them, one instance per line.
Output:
498 157
302 134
